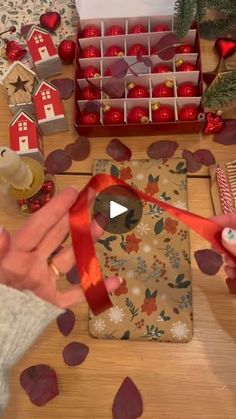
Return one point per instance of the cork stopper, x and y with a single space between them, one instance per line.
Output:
179 62
120 54
107 108
169 83
144 120
155 106
131 85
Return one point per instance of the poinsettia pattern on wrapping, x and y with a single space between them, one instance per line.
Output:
154 302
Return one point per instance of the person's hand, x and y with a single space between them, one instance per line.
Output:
24 257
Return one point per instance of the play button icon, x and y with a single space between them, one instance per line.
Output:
117 209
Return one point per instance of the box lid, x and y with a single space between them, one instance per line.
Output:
100 9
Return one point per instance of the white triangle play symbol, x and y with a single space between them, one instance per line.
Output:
116 209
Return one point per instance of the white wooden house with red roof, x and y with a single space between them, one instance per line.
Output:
49 109
43 52
25 137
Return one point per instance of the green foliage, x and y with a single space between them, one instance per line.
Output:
184 15
213 29
221 92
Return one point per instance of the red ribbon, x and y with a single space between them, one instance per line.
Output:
80 223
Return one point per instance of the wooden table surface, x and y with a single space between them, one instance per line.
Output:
177 381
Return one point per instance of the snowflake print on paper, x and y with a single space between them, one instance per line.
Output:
179 331
143 229
99 325
116 314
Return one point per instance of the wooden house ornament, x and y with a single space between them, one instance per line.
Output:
43 52
25 138
20 82
49 109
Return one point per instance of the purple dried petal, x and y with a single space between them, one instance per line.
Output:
92 106
140 57
114 88
79 150
66 322
162 149
64 86
25 30
128 402
165 47
73 276
227 135
58 161
75 353
147 61
119 68
40 383
204 156
192 165
118 151
209 262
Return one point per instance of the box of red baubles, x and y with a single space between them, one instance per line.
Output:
132 76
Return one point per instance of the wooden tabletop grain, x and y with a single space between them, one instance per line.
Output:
177 381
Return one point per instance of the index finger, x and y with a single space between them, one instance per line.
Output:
33 231
225 220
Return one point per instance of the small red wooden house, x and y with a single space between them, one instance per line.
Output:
44 53
25 138
49 109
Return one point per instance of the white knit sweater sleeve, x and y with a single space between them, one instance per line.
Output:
23 316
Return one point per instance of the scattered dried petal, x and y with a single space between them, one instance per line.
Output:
128 402
25 30
118 151
114 88
64 86
147 61
227 135
204 156
92 106
75 353
66 322
79 150
58 161
119 68
192 165
165 47
73 276
209 262
162 149
40 383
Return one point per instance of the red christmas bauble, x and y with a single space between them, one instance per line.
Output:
162 113
50 21
48 186
89 118
46 198
90 72
213 123
113 116
138 29
161 68
187 89
115 30
137 49
137 91
34 205
90 93
21 202
163 89
160 28
138 115
91 31
14 51
66 51
114 51
90 52
188 113
184 49
181 66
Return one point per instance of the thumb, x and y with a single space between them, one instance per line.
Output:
4 241
228 239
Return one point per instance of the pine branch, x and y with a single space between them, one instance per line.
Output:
221 92
221 5
213 29
184 16
201 8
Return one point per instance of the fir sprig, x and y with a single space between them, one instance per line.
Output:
184 15
221 92
213 29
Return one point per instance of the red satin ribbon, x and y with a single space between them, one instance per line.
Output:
80 223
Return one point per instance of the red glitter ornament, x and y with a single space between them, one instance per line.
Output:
137 91
114 51
138 115
34 205
182 66
46 198
115 30
66 51
162 113
90 93
137 49
48 186
164 89
89 118
138 29
161 68
113 116
213 123
184 49
90 72
90 52
160 28
14 51
187 89
188 113
91 31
